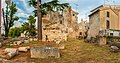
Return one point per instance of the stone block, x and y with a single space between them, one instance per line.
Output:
115 44
44 52
57 41
8 50
35 39
11 55
23 49
61 47
31 39
114 49
19 42
26 41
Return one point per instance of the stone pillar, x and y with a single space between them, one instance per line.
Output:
103 41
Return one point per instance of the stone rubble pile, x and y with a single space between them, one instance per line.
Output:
12 52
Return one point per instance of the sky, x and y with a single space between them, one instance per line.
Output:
83 7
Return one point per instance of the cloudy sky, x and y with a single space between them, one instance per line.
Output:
81 6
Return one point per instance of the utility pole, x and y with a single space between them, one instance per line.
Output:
0 16
39 14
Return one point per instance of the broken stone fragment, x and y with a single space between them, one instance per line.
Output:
31 39
61 47
19 42
11 55
23 49
114 49
26 41
58 42
35 39
8 50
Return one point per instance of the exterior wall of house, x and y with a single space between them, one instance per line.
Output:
113 19
98 20
94 25
119 20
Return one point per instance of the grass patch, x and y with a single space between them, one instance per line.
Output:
77 51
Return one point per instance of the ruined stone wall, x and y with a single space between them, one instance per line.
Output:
66 18
55 32
54 35
83 27
71 19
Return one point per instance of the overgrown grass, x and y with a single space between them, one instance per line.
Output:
77 51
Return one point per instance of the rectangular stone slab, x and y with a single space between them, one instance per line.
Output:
44 52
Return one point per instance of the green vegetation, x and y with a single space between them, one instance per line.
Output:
29 26
9 16
15 32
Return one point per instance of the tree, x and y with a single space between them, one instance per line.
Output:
42 9
29 26
32 29
15 32
25 28
9 16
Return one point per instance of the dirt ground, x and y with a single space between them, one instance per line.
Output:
76 51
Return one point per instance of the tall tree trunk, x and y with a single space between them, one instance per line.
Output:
6 23
6 33
0 16
39 20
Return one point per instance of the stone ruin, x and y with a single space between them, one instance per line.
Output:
44 52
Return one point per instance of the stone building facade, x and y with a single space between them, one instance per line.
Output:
83 27
65 22
71 22
104 19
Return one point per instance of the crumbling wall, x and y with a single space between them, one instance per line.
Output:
54 35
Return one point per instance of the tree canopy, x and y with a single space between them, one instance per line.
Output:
9 17
29 27
53 5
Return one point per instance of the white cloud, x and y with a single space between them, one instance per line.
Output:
17 24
